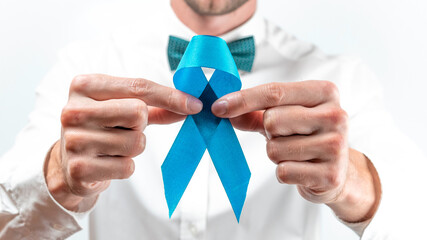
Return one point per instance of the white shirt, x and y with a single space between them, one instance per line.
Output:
136 208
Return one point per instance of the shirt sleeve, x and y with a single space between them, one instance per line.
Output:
27 210
399 162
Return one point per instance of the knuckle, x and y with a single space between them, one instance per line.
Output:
341 120
337 117
72 115
139 144
128 168
77 169
273 151
272 124
73 141
269 120
139 87
282 173
274 94
336 144
334 178
171 98
140 112
176 100
329 89
80 82
340 116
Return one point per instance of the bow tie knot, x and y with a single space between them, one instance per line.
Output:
242 50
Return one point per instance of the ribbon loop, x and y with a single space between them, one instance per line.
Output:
204 130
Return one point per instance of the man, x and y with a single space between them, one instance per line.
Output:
297 132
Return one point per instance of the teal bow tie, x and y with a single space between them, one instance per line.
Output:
243 51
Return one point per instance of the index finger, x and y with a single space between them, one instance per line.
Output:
102 87
306 93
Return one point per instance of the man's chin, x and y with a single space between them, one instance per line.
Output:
214 7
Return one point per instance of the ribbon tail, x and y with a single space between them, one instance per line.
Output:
230 163
181 162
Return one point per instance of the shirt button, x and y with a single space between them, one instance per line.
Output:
193 229
58 227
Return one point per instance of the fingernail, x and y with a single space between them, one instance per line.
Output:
220 108
268 135
194 104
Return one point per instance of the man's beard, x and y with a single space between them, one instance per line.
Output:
214 7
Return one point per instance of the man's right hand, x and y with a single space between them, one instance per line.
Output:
102 130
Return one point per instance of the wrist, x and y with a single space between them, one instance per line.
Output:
361 193
58 188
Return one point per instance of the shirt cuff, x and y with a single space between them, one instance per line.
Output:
358 227
371 231
367 230
40 215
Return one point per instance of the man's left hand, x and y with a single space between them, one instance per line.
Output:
306 131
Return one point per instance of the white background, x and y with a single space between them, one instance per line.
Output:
390 36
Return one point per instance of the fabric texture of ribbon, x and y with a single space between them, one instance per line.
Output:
204 130
243 51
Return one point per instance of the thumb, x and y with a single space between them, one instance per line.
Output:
162 116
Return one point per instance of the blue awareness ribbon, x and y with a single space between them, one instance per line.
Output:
204 130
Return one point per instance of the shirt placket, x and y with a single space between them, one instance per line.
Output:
194 203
